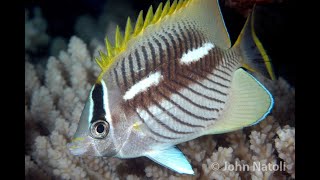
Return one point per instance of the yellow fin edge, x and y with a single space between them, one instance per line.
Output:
259 45
262 51
106 60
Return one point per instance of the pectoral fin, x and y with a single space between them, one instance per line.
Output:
249 103
173 159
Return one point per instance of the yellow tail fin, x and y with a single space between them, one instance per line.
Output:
254 56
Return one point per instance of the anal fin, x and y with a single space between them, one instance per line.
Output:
173 159
249 103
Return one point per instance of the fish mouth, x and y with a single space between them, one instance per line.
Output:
79 146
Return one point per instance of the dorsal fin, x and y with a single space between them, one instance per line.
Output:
205 13
106 60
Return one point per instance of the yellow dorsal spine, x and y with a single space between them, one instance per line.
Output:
109 47
148 18
173 7
98 61
128 31
106 60
165 9
179 4
157 14
139 24
118 38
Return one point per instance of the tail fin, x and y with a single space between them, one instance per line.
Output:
254 57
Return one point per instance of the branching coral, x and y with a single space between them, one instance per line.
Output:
285 145
214 168
54 98
53 110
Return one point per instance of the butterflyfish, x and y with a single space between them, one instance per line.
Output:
171 78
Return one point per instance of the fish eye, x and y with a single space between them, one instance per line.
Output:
99 129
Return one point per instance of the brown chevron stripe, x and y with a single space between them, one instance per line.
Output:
227 56
123 74
194 36
181 81
200 39
182 47
234 63
230 60
227 67
165 50
184 40
173 91
145 58
160 49
216 75
173 55
179 49
153 55
153 132
168 56
116 76
164 125
196 43
208 63
183 109
200 84
198 93
205 77
131 69
138 59
224 72
174 117
190 38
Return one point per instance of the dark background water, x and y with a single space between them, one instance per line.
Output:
272 24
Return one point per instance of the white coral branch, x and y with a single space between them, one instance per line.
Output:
215 166
285 145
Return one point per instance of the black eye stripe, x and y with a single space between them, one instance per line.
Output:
98 108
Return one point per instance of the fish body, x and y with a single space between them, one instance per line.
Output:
173 78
